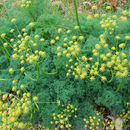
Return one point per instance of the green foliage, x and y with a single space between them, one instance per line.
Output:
84 95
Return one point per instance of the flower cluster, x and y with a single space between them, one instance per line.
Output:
15 108
125 115
93 123
24 47
61 120
25 3
110 23
105 59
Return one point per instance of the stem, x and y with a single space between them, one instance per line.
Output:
44 71
77 17
36 106
17 28
3 50
30 77
6 41
45 102
111 77
120 86
3 79
38 73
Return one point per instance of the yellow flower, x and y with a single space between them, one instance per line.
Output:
96 15
12 30
70 42
123 18
61 126
21 86
122 45
22 61
59 54
94 7
3 35
18 92
92 78
11 70
70 60
35 98
25 110
124 12
5 96
52 41
21 125
103 15
89 17
68 31
23 30
103 78
57 38
13 20
59 30
76 27
85 126
109 64
5 44
87 122
58 102
74 37
117 37
108 54
68 55
36 36
14 81
87 66
42 39
123 55
14 88
11 40
15 56
81 37
22 69
31 24
108 7
113 48
65 39
84 58
127 37
97 46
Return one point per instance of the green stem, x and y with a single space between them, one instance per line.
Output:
44 71
36 106
30 77
3 50
77 17
38 73
7 42
120 86
17 28
111 77
45 102
3 79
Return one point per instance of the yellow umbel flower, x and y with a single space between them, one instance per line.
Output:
3 35
11 70
13 20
